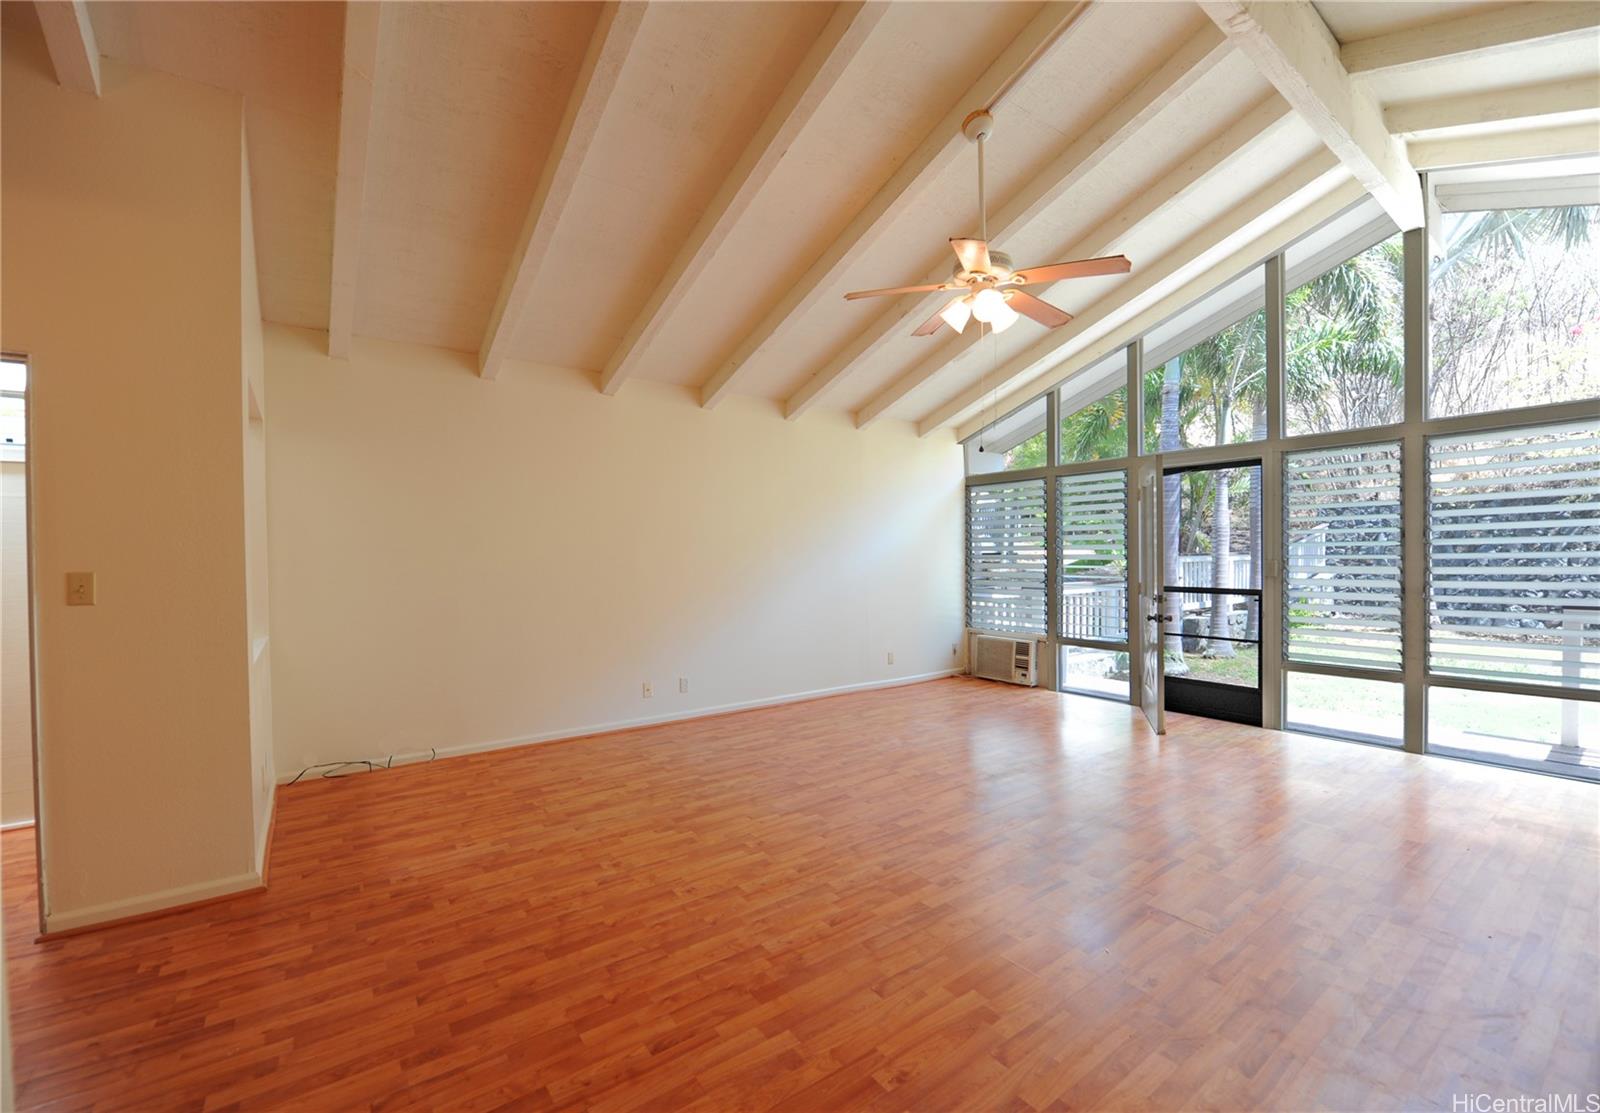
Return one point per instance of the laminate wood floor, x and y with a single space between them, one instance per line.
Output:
948 896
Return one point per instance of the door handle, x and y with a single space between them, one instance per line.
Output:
1155 618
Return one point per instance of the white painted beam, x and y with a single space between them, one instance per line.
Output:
361 33
819 72
1108 137
1254 126
1293 49
1525 104
69 37
1293 190
1477 33
612 41
1268 244
1507 146
938 149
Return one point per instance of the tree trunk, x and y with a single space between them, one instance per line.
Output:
1258 432
1221 569
1171 376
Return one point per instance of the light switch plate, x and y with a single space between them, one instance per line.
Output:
80 589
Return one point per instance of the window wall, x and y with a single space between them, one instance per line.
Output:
1424 524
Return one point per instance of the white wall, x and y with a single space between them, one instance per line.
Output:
252 416
16 710
122 269
457 562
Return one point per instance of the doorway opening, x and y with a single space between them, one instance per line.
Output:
18 764
1211 590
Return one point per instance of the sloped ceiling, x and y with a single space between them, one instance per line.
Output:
467 111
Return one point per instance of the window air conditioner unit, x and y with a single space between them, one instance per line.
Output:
1013 660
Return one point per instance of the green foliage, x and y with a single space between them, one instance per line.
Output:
1345 344
1029 454
1098 431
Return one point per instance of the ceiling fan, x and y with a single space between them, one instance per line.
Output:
990 289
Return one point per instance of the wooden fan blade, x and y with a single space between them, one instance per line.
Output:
1042 311
1078 268
898 290
974 254
931 325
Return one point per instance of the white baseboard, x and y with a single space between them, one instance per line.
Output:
675 716
15 824
151 902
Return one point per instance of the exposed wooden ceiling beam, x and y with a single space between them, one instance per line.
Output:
1293 49
1523 104
361 32
1273 241
69 37
1146 204
1292 190
1107 138
821 69
613 39
1475 33
942 145
1507 146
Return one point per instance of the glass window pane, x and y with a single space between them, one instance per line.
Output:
1093 538
1006 557
1514 555
1094 412
1341 585
1344 707
13 375
1206 370
1514 318
1214 536
1344 342
1553 735
1011 444
1095 672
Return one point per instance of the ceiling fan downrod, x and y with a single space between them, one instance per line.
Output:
977 127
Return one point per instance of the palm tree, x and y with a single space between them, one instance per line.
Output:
1258 432
1500 232
1226 371
1098 431
1172 608
1345 345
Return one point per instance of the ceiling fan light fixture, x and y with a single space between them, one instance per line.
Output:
957 313
989 306
986 304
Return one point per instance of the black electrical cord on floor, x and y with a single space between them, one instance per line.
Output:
372 766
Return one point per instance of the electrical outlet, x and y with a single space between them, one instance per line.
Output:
647 692
891 656
683 684
80 589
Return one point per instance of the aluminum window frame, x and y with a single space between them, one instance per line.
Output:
1412 432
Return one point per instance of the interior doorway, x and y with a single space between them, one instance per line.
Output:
19 783
1210 599
16 672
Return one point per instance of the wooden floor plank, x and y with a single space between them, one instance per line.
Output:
948 896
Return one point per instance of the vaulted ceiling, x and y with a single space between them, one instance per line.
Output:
683 192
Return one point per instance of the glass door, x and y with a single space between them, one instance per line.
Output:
1211 590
